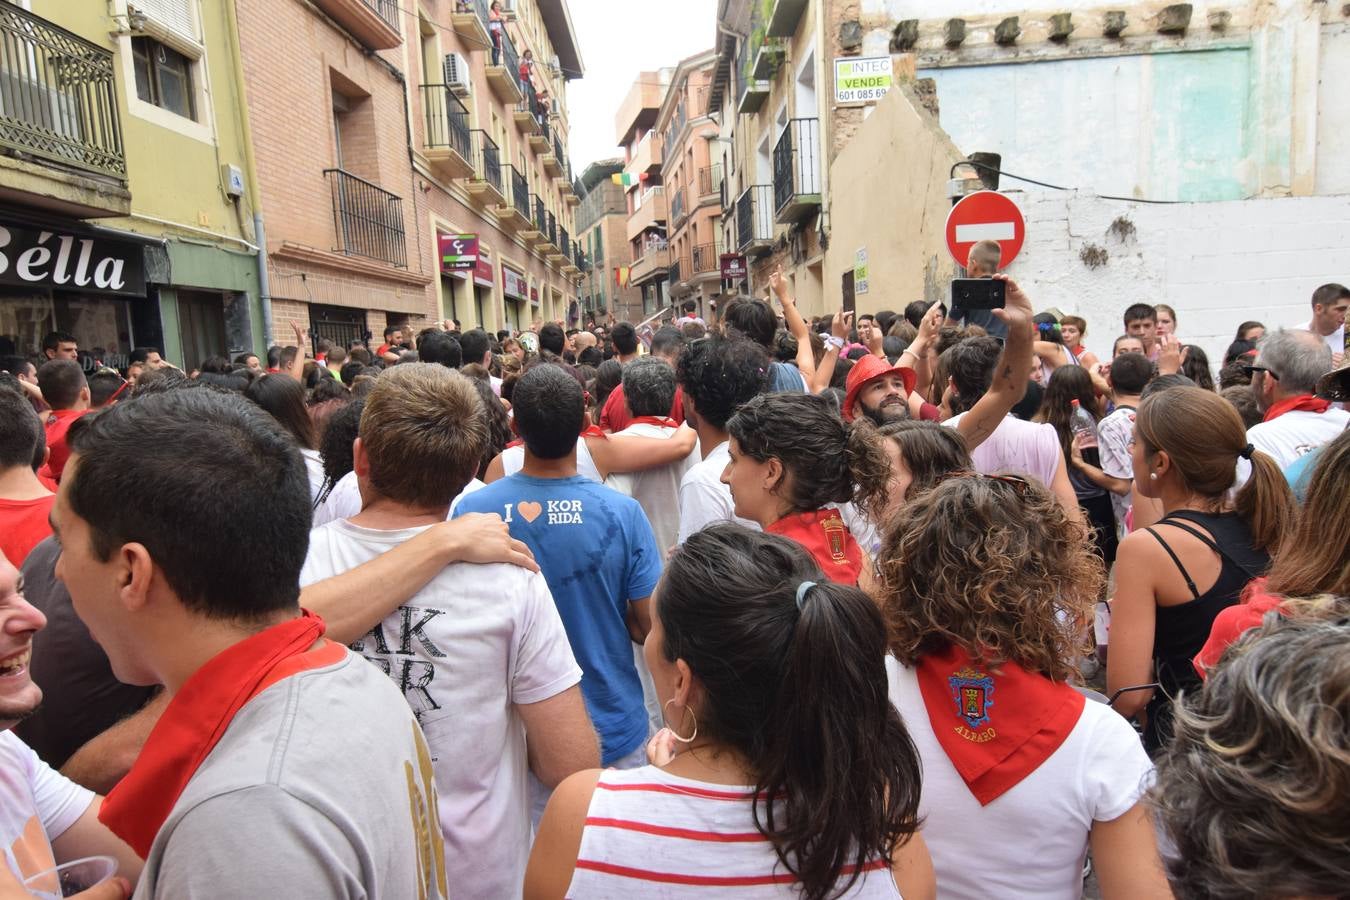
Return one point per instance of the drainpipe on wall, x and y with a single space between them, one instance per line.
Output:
251 175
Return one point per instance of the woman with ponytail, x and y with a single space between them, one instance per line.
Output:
791 458
784 772
1174 578
985 583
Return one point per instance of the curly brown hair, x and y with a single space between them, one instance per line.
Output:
993 565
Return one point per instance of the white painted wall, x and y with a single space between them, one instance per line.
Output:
1218 264
1333 111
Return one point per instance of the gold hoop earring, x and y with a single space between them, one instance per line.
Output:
674 734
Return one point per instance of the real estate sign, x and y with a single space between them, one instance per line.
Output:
862 79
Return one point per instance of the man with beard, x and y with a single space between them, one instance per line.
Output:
881 392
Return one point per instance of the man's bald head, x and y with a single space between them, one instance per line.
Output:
984 258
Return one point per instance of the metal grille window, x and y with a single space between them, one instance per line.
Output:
369 219
163 76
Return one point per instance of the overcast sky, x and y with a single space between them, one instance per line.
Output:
618 40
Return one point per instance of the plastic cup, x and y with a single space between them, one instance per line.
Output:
68 879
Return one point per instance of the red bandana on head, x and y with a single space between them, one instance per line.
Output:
197 718
826 537
995 728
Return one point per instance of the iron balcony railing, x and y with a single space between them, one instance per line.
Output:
487 160
551 231
579 258
557 148
546 128
386 10
530 102
58 97
705 258
540 215
754 215
674 272
710 180
369 219
676 205
480 7
564 242
446 120
796 162
510 58
520 192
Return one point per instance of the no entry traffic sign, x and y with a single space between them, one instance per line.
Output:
981 216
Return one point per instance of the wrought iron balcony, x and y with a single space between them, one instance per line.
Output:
564 242
57 96
504 74
529 114
369 219
675 274
372 22
796 171
676 207
487 168
551 228
471 21
705 258
754 219
513 210
710 181
751 92
445 122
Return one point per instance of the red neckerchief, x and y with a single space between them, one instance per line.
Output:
661 421
197 718
1301 403
828 540
588 431
995 728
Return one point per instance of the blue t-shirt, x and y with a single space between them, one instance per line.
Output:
597 552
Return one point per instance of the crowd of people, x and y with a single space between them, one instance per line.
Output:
922 603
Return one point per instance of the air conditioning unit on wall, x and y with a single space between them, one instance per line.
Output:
457 74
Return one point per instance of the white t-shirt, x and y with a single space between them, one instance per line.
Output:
704 499
513 460
1335 340
1024 448
37 805
1292 435
474 643
344 500
657 490
1028 843
1114 434
314 469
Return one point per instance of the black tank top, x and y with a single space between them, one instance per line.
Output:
1182 629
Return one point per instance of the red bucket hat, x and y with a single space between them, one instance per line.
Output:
868 369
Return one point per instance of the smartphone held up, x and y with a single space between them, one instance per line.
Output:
979 293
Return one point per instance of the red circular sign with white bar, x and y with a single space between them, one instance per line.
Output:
985 215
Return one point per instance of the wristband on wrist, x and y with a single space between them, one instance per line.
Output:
834 342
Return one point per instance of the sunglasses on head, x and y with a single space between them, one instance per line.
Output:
1252 369
1019 485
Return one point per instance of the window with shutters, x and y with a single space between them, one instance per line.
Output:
176 17
163 77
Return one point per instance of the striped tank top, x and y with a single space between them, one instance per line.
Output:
653 834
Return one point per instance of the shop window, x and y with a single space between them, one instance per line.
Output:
163 76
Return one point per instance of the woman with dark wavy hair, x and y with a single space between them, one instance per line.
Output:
791 458
985 586
1254 788
784 772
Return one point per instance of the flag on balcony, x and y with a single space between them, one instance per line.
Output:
625 179
622 274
